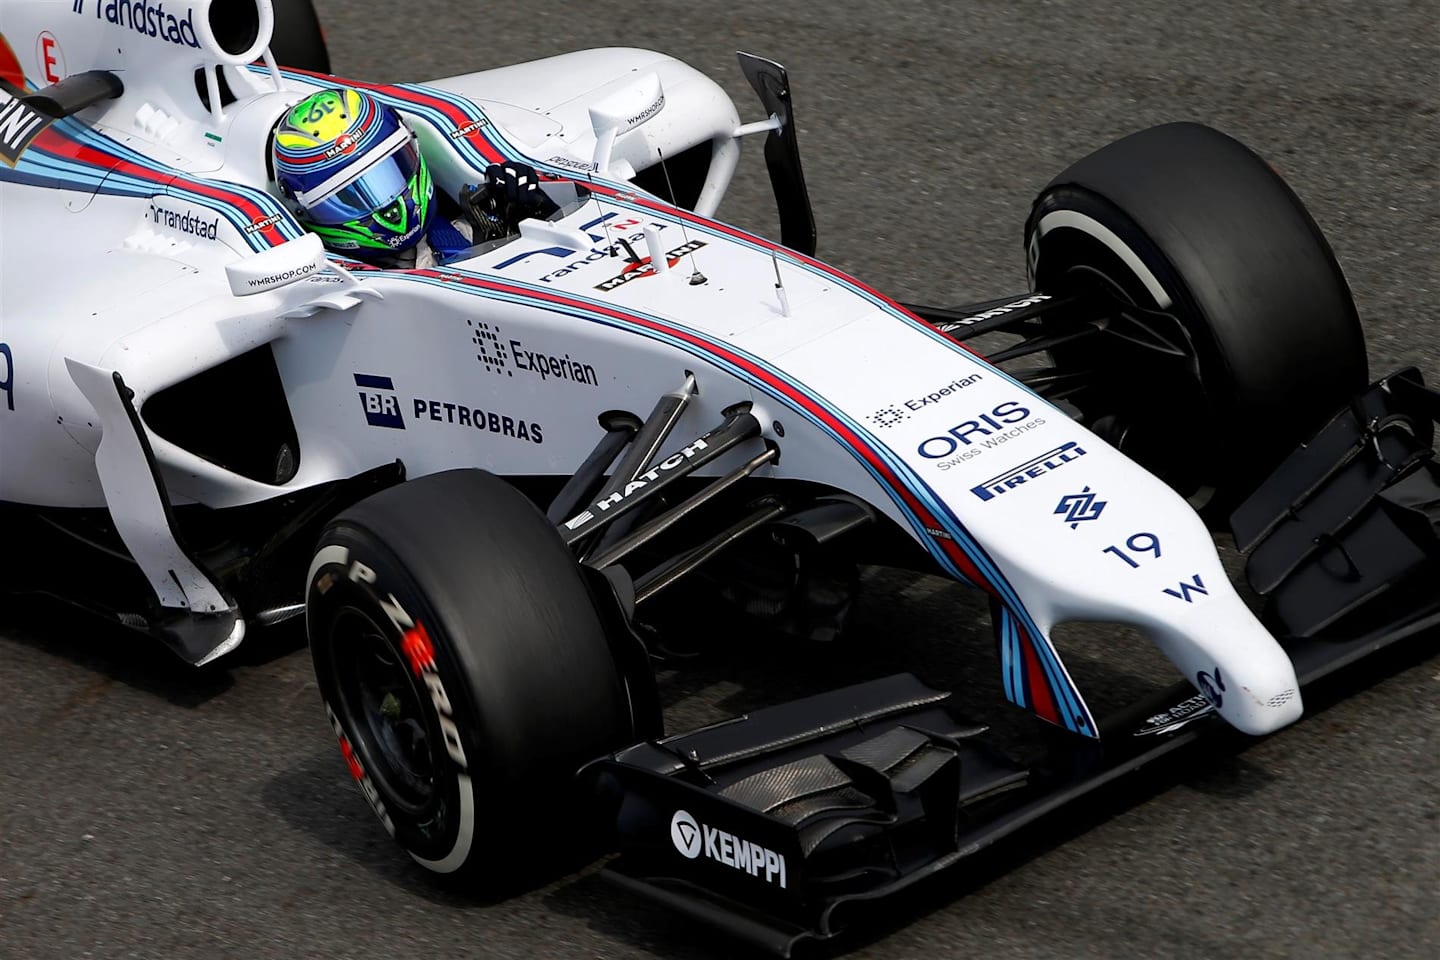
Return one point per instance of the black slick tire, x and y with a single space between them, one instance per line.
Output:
465 671
1184 219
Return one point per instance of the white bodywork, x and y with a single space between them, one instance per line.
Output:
505 359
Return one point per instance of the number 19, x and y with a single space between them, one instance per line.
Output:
1139 543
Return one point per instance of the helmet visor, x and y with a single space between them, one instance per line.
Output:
373 190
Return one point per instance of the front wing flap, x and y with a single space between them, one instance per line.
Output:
1342 537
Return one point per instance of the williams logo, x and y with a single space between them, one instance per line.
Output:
1028 471
692 839
377 396
1076 508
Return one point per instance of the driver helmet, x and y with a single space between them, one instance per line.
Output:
350 166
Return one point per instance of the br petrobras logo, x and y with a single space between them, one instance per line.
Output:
1033 469
377 397
685 834
1080 507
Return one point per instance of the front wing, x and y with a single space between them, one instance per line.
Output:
774 826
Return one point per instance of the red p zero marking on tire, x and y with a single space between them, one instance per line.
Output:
418 649
348 753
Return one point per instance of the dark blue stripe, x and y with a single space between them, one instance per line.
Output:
370 380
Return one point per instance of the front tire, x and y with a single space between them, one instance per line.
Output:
1265 343
465 671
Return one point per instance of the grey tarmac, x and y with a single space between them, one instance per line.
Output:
150 812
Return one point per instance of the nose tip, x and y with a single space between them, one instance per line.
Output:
1261 715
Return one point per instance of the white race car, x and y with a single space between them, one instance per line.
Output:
492 485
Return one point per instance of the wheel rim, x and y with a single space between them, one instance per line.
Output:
385 709
1134 352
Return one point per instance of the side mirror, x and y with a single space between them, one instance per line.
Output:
277 267
623 111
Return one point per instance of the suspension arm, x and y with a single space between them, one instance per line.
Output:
615 502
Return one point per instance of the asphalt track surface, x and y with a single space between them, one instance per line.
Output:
146 811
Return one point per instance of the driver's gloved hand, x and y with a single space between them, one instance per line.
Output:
511 193
519 186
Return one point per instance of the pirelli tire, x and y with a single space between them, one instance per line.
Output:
1184 219
466 673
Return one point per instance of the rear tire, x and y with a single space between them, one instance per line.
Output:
466 673
1184 219
297 40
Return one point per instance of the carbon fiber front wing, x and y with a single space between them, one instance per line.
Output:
773 826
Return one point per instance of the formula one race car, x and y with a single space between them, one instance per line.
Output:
495 485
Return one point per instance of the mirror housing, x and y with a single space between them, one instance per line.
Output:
277 267
623 111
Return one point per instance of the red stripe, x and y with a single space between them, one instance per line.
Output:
1041 700
10 69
